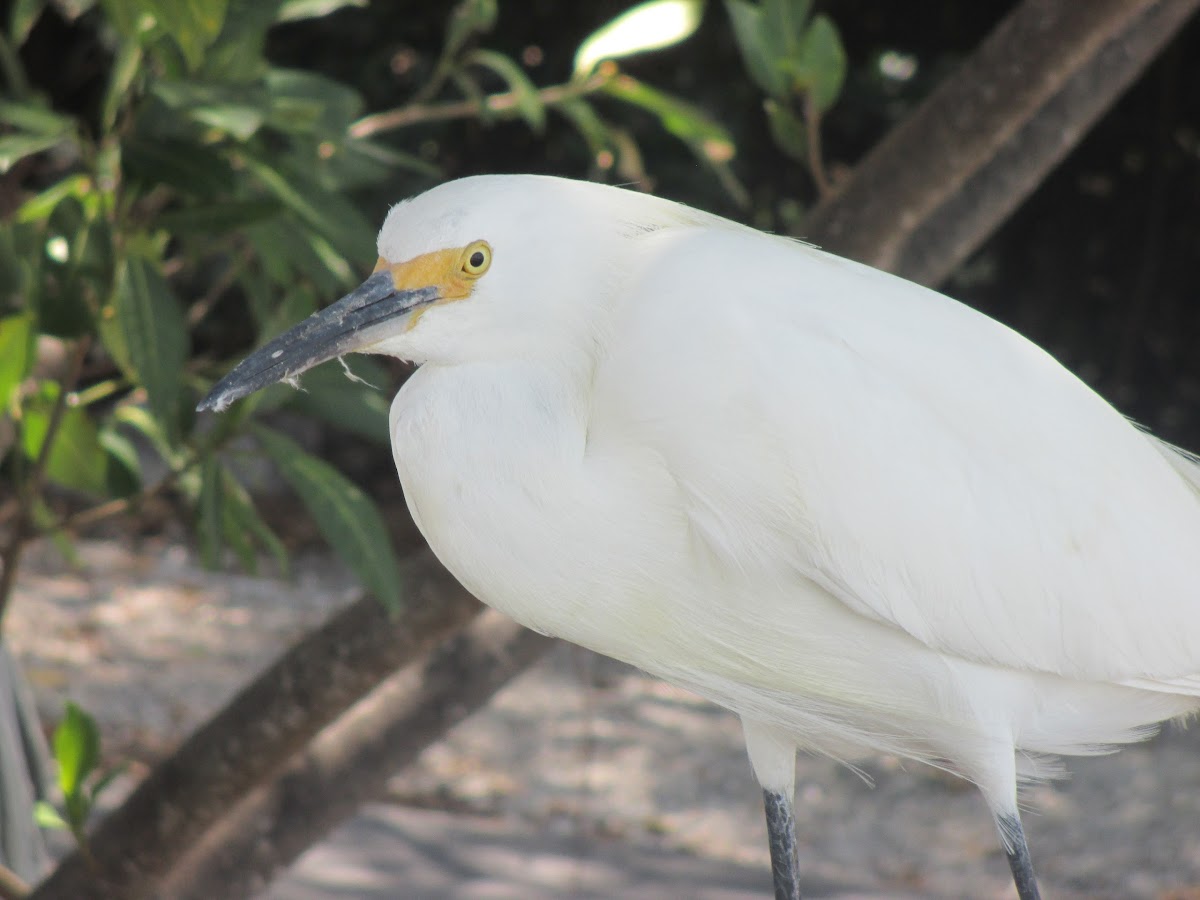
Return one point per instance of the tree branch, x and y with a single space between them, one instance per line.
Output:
933 190
260 729
507 103
350 762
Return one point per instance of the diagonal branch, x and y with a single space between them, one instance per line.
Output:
350 762
258 731
934 189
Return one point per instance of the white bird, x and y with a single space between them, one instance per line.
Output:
858 514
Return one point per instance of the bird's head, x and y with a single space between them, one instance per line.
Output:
483 267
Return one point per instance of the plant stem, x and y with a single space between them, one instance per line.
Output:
28 495
114 507
500 104
812 130
219 287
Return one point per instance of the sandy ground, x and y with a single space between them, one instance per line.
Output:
583 777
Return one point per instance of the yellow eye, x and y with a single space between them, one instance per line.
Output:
476 259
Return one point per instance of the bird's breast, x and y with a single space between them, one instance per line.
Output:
578 541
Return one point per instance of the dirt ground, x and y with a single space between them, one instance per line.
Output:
583 777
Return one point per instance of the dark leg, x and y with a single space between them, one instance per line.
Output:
781 834
1019 859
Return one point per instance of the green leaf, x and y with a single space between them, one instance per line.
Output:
295 10
77 266
286 255
237 54
237 109
788 130
35 118
749 32
704 136
46 519
152 329
76 458
76 749
36 129
707 138
209 518
16 355
345 515
21 283
529 104
785 21
24 16
15 147
40 206
46 816
652 25
77 807
384 161
305 102
186 166
219 217
124 470
326 212
140 421
593 129
241 521
130 19
821 63
125 68
193 24
470 17
330 394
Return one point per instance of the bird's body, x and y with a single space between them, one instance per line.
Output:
855 512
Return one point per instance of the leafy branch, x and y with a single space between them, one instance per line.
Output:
509 104
30 490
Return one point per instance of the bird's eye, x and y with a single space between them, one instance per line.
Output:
476 259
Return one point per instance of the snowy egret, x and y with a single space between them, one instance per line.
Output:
858 514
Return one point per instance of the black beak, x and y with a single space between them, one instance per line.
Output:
356 321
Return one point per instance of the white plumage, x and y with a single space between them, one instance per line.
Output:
855 512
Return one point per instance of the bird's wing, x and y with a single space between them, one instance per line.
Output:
925 465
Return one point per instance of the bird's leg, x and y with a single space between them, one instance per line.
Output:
1019 860
781 834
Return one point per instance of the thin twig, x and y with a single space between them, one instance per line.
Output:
812 131
220 285
500 104
119 505
29 493
109 508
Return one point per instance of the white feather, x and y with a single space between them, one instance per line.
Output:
857 513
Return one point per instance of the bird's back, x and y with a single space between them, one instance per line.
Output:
927 467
